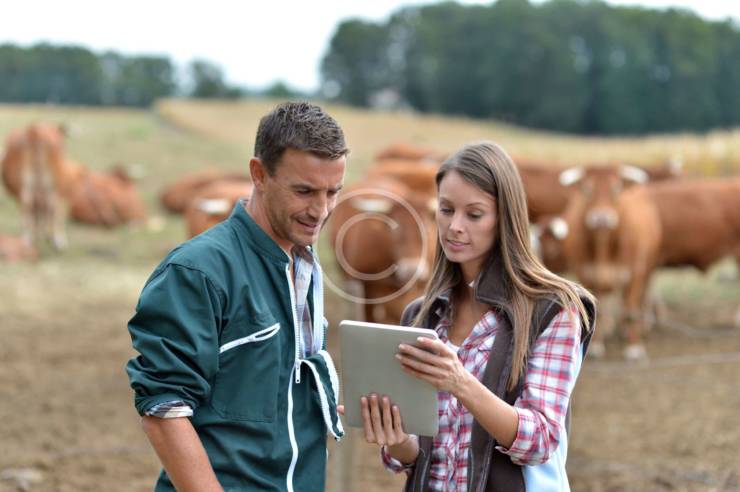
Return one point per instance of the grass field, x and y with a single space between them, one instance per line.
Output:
66 413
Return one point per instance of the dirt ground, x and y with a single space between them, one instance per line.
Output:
67 421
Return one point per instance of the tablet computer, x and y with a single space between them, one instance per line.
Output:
369 365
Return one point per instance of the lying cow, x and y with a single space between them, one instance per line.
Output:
33 171
618 241
213 204
108 199
13 249
175 198
383 236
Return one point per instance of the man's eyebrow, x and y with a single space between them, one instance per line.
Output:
308 187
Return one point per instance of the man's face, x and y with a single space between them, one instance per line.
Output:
300 196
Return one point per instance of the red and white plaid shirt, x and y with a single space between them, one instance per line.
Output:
542 406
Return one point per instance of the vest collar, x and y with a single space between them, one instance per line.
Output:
492 286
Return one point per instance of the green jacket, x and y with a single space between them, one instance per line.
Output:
215 328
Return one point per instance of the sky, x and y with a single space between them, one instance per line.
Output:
255 42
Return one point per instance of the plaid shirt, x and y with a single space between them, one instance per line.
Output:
542 406
302 269
303 266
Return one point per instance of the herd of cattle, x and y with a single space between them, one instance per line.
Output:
609 224
50 188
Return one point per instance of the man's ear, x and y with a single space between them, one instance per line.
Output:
258 173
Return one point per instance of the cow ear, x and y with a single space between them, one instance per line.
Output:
559 228
571 176
432 205
634 174
675 165
372 205
214 206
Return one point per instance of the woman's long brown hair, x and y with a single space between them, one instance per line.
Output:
488 167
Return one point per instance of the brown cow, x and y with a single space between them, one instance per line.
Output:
213 204
547 193
548 196
108 199
417 175
13 249
547 235
33 171
617 241
175 198
383 236
410 152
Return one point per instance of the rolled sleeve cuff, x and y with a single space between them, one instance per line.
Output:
170 410
392 464
148 405
522 449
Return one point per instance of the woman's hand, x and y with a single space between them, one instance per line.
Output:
381 421
435 363
383 425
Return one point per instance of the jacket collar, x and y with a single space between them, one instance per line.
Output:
248 229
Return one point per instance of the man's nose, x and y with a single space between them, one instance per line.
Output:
319 208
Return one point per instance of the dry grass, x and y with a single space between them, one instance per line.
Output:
717 153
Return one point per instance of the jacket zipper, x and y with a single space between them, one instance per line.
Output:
297 370
296 331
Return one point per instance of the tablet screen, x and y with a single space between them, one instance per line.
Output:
368 365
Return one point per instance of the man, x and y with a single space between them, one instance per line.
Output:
234 386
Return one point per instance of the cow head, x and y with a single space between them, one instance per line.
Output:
599 188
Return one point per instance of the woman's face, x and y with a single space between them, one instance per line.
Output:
466 220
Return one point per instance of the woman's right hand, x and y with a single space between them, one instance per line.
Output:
382 421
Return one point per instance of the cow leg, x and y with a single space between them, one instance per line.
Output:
656 309
633 303
58 221
28 219
606 323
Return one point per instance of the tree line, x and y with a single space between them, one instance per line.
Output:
568 65
46 73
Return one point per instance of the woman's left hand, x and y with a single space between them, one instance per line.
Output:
434 362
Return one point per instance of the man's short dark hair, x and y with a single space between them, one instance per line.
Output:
301 126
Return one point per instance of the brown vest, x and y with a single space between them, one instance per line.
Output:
488 468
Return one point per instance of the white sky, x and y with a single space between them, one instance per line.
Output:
256 42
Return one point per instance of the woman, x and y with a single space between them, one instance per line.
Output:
511 339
